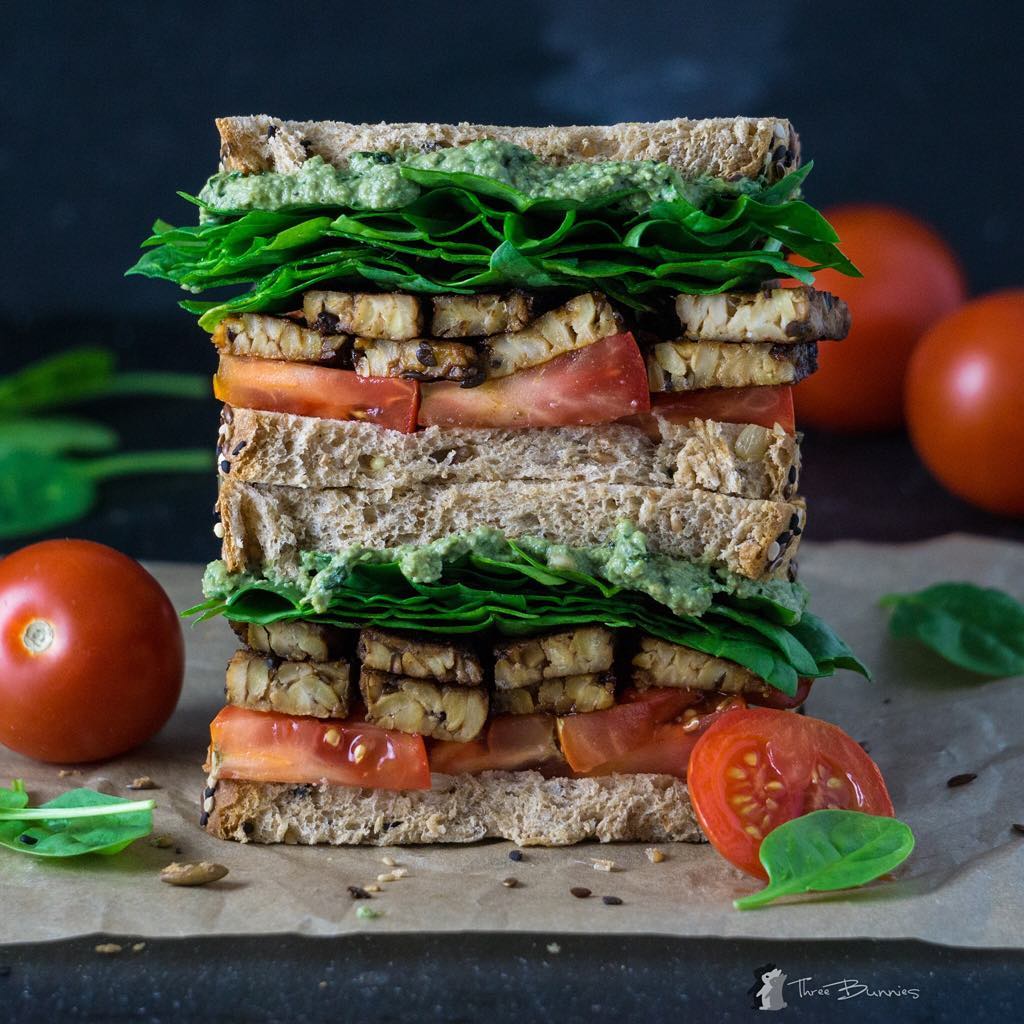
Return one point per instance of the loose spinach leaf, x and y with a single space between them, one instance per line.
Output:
80 821
827 850
56 435
974 627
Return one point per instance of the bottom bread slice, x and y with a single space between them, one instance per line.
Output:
521 806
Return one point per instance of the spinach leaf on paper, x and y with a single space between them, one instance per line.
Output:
828 850
77 822
976 628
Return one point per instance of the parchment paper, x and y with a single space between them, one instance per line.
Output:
922 720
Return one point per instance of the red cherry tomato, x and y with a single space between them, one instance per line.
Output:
911 279
265 746
757 768
91 652
279 386
964 390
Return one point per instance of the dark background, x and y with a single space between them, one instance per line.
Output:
109 110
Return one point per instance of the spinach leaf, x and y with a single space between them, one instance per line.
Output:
77 822
827 850
976 628
55 435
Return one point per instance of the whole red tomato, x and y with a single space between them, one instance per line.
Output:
911 279
91 652
964 388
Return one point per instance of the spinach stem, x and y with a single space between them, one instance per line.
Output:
60 813
189 460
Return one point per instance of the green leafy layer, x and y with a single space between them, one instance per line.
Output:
520 595
466 233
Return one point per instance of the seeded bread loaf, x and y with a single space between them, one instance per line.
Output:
270 525
302 451
521 806
721 147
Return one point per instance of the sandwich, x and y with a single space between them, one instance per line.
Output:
508 501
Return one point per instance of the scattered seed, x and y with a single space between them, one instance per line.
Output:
516 855
142 782
65 772
961 780
161 842
654 855
554 947
1018 828
192 874
392 876
357 892
27 840
321 984
367 913
510 883
372 888
218 531
138 947
109 948
581 892
602 864
611 901
388 861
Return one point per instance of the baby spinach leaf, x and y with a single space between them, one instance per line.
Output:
828 850
77 822
56 435
977 628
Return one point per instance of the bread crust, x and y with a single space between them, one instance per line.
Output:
721 147
523 807
270 525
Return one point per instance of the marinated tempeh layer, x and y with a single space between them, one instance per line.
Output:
419 359
421 659
660 663
270 337
565 696
317 688
573 652
692 365
395 316
429 709
471 316
293 640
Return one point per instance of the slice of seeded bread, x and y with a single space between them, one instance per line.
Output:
721 147
269 525
521 806
301 451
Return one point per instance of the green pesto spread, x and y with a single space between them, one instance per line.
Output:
381 181
623 561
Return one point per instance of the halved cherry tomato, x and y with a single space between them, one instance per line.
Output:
757 768
278 386
264 746
597 384
764 406
511 743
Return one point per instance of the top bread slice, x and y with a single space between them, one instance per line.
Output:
738 147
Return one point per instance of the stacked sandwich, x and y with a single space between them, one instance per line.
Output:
508 468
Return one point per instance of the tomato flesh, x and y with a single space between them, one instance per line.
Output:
757 768
321 391
764 406
265 746
91 652
511 743
597 384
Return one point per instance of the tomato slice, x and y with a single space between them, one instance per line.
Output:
764 406
597 384
512 743
594 738
264 746
772 698
322 391
756 768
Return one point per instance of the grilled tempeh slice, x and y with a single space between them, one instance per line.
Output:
317 688
421 659
573 652
692 365
420 359
660 663
292 640
393 316
473 316
271 337
780 315
594 691
413 705
580 322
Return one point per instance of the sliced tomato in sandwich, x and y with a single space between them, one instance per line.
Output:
511 743
322 391
597 384
265 746
764 406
